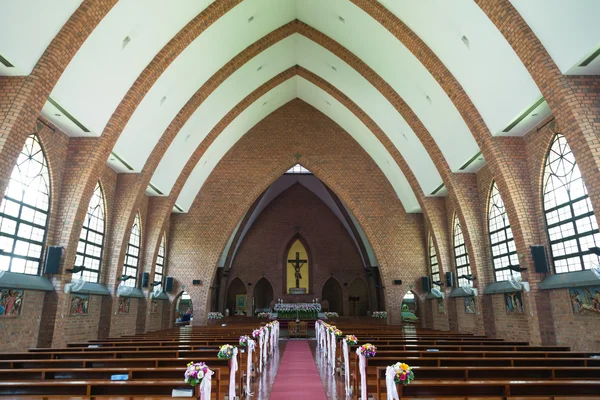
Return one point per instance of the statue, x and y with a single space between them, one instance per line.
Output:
297 264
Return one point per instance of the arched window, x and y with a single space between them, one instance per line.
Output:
91 239
461 256
132 256
433 263
160 262
570 221
504 251
24 211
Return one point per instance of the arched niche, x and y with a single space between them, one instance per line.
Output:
184 308
333 296
263 295
410 307
297 244
358 296
236 301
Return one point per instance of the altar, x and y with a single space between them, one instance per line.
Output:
297 310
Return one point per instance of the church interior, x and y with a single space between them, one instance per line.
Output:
284 199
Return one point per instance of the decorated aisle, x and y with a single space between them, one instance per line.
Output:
297 377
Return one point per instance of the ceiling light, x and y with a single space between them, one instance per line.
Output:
187 137
534 115
251 19
429 99
162 101
265 103
125 42
466 42
328 103
341 19
57 115
333 68
259 68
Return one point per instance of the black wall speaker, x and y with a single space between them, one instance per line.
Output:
145 279
52 260
539 259
450 279
169 284
425 284
196 282
398 282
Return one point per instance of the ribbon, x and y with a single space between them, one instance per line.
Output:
333 352
317 327
260 349
390 385
346 366
206 385
251 347
326 343
233 367
265 347
363 374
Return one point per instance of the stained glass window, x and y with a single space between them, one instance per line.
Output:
570 221
132 256
504 251
298 169
433 263
461 255
91 239
160 263
24 211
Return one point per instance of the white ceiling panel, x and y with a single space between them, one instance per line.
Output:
568 29
370 41
115 54
222 41
475 52
28 27
331 68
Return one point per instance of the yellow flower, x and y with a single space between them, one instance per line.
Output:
404 367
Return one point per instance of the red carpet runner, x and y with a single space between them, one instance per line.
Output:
297 378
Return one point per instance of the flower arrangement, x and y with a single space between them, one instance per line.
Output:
215 315
331 315
244 341
264 315
368 350
352 340
256 333
404 373
195 373
331 328
338 333
379 314
226 352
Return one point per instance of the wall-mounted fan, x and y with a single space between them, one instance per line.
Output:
74 286
156 291
467 289
437 292
124 290
514 283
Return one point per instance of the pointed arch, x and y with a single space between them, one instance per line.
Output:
333 294
159 267
297 237
263 294
359 292
236 287
461 255
502 242
132 256
25 211
91 239
433 263
571 225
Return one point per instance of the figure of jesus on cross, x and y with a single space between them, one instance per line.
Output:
297 264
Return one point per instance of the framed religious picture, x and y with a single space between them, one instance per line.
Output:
585 300
513 302
11 302
79 304
240 302
124 303
469 305
153 306
440 304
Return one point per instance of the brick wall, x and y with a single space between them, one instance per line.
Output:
21 332
264 249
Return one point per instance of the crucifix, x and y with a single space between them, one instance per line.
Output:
297 264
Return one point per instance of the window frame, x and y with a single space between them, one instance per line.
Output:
432 264
126 266
456 223
506 228
546 174
163 247
86 241
19 220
